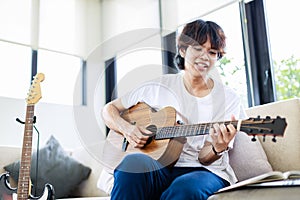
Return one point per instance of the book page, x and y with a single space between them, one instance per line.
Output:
292 174
273 177
270 176
280 183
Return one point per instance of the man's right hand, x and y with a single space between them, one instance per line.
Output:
137 136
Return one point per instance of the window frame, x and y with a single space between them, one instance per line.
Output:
259 66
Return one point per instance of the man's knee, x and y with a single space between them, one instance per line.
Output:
137 163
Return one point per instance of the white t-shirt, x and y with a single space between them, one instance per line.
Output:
218 106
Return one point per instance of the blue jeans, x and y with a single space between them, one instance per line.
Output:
139 177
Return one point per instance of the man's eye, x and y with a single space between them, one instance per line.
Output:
213 52
198 48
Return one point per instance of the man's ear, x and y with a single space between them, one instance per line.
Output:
182 52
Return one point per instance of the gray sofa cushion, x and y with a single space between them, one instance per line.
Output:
248 158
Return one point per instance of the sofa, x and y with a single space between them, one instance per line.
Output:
284 155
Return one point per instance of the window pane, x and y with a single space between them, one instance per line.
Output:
58 25
126 15
191 9
62 75
232 66
15 66
283 18
15 20
137 66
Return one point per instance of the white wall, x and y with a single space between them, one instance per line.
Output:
72 126
176 13
51 120
120 16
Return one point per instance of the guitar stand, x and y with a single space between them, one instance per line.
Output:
37 151
21 122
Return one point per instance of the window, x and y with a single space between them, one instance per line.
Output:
58 25
137 66
62 75
15 70
29 28
232 66
282 17
15 20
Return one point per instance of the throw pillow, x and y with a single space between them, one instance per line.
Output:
56 167
248 159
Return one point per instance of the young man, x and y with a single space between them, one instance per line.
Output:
203 166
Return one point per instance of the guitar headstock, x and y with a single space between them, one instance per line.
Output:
264 126
34 94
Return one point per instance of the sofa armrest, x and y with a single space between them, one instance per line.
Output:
284 154
14 154
88 188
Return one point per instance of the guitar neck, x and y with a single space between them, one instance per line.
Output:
184 130
24 184
251 126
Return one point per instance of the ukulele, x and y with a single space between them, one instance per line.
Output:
167 139
23 190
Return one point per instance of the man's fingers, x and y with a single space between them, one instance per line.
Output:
212 133
137 137
145 133
232 129
223 129
136 142
233 118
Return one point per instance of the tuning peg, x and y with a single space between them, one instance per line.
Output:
274 139
253 139
180 122
268 117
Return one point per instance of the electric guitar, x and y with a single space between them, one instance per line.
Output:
167 139
23 190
